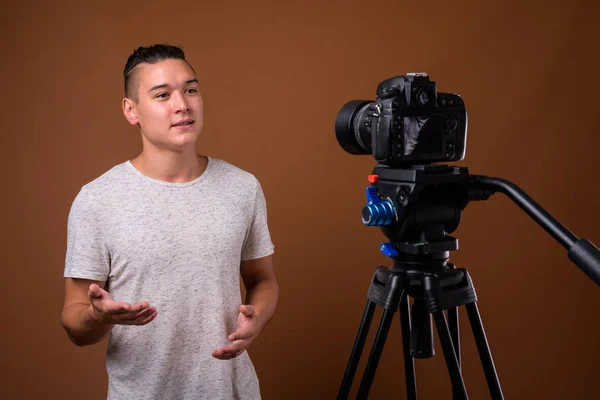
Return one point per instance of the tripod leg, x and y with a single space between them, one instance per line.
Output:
409 361
455 333
458 385
484 352
357 349
382 331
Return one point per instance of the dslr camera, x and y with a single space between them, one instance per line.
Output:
408 123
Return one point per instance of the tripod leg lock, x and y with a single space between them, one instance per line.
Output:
448 289
385 289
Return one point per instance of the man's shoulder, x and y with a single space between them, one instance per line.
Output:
109 180
92 196
228 171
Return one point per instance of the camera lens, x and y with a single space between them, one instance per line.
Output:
353 127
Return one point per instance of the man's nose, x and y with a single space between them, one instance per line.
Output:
181 103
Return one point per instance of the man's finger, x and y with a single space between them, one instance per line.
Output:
149 319
123 307
145 311
232 349
224 356
118 308
133 318
239 335
136 308
143 315
228 355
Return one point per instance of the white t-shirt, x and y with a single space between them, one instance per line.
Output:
178 246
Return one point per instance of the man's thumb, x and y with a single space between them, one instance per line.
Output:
95 290
247 310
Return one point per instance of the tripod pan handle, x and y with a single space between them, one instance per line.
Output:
587 257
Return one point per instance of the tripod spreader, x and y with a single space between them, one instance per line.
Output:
581 251
438 289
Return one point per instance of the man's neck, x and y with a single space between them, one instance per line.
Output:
170 166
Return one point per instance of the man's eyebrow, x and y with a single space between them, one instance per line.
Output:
165 85
162 86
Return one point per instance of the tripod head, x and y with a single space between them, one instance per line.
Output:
417 207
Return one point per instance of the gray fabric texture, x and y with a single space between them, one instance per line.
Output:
178 246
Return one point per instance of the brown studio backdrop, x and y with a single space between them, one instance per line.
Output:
273 77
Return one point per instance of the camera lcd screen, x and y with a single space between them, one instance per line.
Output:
423 135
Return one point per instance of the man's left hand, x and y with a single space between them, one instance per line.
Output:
248 328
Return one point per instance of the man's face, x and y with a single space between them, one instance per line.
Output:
169 106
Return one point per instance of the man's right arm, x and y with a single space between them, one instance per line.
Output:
90 312
78 317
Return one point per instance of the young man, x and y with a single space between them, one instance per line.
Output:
156 246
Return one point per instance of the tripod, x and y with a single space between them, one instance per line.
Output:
416 208
435 285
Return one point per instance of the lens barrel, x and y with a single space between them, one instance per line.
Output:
353 127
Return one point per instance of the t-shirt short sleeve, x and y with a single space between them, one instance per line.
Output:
87 254
258 239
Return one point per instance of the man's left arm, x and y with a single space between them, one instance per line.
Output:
262 296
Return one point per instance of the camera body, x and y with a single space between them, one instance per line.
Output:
408 123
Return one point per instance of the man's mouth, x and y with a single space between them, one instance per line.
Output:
184 122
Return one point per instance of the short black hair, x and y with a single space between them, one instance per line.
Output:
151 55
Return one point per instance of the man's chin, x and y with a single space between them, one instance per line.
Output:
174 141
175 146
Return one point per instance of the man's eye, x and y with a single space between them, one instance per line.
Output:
192 90
162 95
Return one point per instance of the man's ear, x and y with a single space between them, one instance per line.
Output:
129 111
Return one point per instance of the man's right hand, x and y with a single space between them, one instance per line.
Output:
106 310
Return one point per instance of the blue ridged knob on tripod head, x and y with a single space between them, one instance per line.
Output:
377 212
